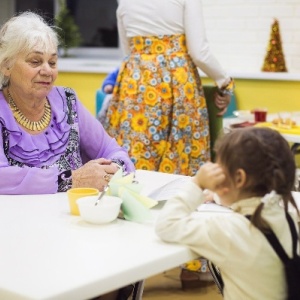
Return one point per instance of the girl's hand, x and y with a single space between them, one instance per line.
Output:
209 176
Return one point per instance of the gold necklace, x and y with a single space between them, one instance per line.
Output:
24 121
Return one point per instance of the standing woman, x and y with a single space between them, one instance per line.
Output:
158 112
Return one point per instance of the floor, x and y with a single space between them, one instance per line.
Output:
167 286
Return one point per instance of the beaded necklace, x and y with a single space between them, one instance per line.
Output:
25 122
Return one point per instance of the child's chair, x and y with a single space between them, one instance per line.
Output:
231 108
100 95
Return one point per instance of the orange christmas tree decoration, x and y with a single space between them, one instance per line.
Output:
274 59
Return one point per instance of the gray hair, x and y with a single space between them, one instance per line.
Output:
21 34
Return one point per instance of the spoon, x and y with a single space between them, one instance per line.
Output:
102 194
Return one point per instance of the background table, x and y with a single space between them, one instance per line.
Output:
292 138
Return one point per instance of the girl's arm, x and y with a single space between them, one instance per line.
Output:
202 232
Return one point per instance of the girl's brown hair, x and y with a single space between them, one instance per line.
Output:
266 158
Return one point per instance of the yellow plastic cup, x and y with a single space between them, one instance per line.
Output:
76 193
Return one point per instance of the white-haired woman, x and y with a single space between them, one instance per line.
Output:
49 141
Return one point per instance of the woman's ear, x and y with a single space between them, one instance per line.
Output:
240 178
5 70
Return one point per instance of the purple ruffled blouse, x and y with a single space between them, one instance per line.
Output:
31 164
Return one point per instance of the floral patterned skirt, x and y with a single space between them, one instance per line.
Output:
158 111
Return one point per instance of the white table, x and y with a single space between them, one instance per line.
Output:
45 253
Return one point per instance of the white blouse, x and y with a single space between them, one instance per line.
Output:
250 267
167 17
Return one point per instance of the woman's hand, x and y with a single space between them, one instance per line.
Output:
95 174
210 176
222 101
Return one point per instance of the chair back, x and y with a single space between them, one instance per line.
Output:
100 95
215 122
231 108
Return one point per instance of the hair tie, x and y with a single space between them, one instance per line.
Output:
270 198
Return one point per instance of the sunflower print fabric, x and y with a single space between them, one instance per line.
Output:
158 111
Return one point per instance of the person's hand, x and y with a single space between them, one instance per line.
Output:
95 174
222 101
210 176
108 89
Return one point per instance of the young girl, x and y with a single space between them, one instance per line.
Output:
253 175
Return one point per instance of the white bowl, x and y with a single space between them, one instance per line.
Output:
106 211
244 115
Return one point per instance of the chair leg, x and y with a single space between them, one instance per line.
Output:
216 276
138 290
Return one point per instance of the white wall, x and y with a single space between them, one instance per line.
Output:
239 31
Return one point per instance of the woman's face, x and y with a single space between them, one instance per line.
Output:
33 74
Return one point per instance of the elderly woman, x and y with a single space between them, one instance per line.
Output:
49 141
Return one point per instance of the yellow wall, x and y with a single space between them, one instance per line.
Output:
274 94
84 84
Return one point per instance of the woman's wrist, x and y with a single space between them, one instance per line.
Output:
228 88
65 181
